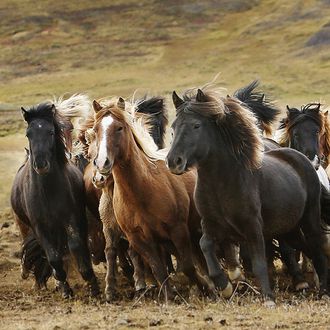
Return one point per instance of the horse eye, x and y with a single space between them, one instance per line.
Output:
119 129
197 125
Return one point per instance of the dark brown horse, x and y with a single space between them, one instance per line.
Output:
242 193
48 197
153 207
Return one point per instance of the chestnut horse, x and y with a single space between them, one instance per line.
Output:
153 207
48 198
242 193
152 108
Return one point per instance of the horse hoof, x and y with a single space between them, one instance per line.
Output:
236 275
227 291
67 294
301 286
269 303
110 297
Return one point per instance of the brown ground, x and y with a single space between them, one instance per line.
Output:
21 307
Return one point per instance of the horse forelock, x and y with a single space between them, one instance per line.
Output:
138 125
237 125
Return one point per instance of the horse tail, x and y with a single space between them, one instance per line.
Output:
325 204
34 260
158 120
262 107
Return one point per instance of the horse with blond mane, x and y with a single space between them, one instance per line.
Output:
152 110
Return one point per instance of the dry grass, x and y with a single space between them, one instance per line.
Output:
115 48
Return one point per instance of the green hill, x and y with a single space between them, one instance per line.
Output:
114 47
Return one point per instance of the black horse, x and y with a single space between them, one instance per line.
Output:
242 193
48 197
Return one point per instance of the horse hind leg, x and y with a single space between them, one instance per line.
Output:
257 250
313 238
288 256
139 274
150 252
232 260
112 238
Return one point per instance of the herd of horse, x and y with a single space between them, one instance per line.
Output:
104 188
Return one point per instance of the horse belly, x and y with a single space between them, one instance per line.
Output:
283 203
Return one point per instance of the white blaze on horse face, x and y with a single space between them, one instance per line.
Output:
102 154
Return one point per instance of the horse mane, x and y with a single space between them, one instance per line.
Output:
61 123
325 136
263 107
294 115
237 124
140 129
157 117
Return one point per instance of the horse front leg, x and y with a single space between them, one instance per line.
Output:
78 247
215 271
112 237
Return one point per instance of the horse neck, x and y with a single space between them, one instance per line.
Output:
221 171
132 173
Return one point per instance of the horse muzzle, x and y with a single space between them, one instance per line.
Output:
41 168
99 180
177 165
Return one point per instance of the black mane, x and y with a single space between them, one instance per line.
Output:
155 106
262 107
47 111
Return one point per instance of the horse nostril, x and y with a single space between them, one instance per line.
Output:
102 178
107 162
179 161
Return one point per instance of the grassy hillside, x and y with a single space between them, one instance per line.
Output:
114 47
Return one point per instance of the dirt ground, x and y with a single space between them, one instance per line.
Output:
22 307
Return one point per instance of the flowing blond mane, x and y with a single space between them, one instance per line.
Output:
237 124
138 123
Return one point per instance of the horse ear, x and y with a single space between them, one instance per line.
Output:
177 101
200 97
121 103
326 113
53 108
25 114
96 106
